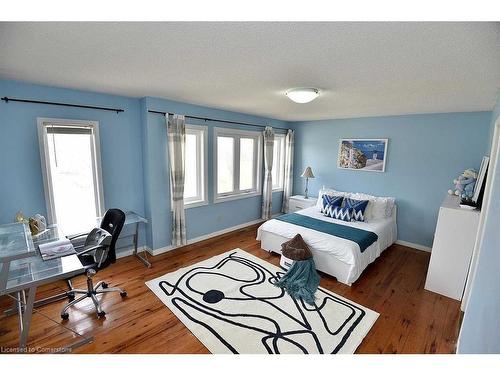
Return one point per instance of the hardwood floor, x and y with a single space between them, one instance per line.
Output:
412 320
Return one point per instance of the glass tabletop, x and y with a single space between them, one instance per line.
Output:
27 272
27 268
15 241
132 217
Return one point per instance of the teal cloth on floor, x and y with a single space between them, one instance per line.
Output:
301 280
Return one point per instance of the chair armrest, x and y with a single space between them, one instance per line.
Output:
102 255
89 249
76 236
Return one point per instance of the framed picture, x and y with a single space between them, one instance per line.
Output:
363 154
481 181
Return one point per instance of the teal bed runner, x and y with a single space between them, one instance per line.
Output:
362 237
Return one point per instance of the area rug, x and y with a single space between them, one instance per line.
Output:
230 304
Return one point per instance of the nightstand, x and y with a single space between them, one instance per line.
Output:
298 202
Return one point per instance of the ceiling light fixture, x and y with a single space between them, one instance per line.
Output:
302 95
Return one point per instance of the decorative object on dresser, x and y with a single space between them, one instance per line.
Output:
363 154
452 249
298 202
307 174
464 184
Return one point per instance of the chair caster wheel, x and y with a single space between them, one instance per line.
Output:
71 297
65 316
123 294
104 285
101 314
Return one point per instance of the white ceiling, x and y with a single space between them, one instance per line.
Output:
362 69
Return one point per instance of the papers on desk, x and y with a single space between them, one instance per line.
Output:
56 249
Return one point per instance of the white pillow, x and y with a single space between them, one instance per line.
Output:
378 207
391 202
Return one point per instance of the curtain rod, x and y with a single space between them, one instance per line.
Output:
7 99
217 120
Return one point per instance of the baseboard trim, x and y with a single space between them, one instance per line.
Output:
414 245
207 236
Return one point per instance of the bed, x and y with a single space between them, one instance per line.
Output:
338 257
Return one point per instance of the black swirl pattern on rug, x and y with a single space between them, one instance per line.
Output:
208 306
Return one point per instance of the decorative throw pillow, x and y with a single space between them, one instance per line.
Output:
331 200
340 213
330 192
296 249
357 208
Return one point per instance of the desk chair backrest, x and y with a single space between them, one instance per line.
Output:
112 222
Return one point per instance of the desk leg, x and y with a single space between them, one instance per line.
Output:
136 243
25 314
25 311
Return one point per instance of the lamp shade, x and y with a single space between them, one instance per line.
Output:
302 95
308 173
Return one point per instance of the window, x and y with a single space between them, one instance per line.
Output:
237 163
71 168
278 161
195 178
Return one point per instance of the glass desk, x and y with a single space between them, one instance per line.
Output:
23 269
15 241
133 218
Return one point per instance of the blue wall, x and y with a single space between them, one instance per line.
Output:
134 159
480 331
200 220
21 186
425 153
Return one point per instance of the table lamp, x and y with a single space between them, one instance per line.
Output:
308 173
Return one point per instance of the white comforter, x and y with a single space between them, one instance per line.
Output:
344 250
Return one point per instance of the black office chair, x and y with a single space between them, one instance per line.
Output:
98 253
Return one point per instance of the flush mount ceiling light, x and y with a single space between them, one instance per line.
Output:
302 95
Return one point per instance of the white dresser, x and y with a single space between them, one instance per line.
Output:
454 240
298 202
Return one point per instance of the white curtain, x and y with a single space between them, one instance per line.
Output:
176 132
288 178
267 191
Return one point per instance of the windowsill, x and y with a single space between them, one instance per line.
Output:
236 196
195 204
277 190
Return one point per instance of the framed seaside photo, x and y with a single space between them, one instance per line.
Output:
363 154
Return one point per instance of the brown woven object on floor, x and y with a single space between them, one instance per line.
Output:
296 249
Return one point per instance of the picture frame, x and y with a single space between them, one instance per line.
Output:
363 154
481 181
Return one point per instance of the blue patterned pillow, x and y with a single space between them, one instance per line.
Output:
331 200
358 208
340 213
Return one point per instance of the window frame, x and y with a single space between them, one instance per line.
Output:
42 124
281 159
236 134
202 181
